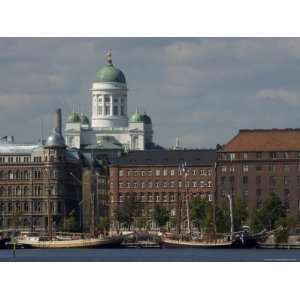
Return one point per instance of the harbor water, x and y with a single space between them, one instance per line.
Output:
150 255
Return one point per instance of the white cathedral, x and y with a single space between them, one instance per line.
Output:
109 127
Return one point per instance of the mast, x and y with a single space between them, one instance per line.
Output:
231 216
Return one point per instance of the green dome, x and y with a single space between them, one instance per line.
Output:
73 118
136 118
146 119
110 73
84 120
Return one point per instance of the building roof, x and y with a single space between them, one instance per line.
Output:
17 149
55 139
168 157
136 118
264 140
110 73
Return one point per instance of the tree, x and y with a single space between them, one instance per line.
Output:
240 213
270 215
127 211
141 222
104 224
160 215
202 214
70 223
223 218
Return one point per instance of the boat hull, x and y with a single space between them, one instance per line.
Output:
170 243
80 243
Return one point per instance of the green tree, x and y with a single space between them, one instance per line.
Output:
223 218
103 224
127 211
270 215
70 223
202 214
160 215
240 213
141 222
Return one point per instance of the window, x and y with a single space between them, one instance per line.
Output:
286 168
231 179
209 183
194 184
231 169
128 184
165 184
203 172
245 179
149 173
273 155
142 185
245 155
172 184
224 169
258 179
209 172
135 185
172 172
232 156
258 168
121 172
143 173
157 184
258 193
272 180
272 168
194 172
245 168
202 183
258 155
286 155
120 184
165 172
157 172
179 184
246 193
116 110
286 180
150 184
106 106
223 179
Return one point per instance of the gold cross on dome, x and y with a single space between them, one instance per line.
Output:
109 57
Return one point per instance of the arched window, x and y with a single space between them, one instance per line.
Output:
9 191
25 191
1 191
10 175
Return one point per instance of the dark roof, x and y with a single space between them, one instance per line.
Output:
168 157
265 140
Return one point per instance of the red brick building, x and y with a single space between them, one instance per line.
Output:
153 177
256 163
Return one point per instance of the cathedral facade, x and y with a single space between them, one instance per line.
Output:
110 127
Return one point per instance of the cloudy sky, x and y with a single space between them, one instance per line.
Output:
202 90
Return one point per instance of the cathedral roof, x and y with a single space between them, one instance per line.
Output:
146 119
110 73
136 118
55 139
73 117
84 119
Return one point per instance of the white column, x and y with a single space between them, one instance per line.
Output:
111 105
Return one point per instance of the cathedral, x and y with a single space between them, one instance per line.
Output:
109 128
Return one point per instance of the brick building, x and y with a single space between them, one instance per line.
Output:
35 183
256 163
153 177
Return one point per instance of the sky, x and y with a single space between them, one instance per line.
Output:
202 90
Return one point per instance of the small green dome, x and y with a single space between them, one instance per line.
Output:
146 119
136 118
73 118
110 73
84 119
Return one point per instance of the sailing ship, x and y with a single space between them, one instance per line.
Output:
29 241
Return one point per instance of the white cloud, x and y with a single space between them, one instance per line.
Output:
279 95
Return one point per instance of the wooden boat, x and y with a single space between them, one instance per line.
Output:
179 243
36 242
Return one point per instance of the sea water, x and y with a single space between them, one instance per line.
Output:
151 255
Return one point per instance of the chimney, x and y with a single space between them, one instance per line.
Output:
58 120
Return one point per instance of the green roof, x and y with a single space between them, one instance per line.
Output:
136 118
146 119
73 118
110 73
84 119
